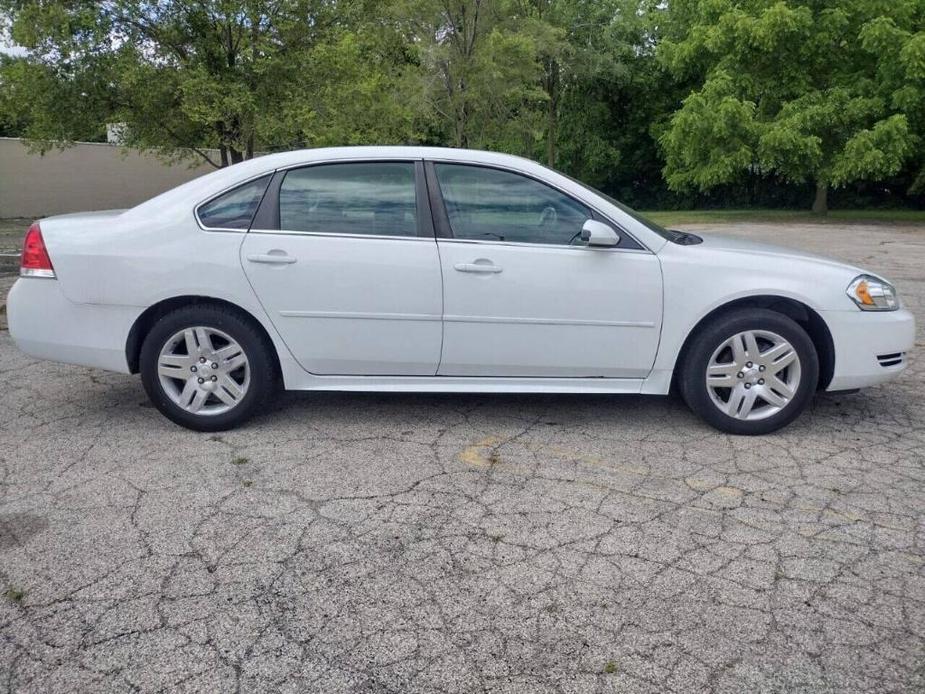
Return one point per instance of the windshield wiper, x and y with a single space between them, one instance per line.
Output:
684 238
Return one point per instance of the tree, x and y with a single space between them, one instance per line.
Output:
608 94
185 76
785 88
479 72
895 44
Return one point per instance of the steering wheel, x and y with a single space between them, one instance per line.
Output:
548 216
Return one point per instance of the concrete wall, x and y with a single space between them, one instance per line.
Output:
87 176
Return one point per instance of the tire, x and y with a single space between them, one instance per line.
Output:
765 392
177 363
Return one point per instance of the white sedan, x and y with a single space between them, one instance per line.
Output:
425 270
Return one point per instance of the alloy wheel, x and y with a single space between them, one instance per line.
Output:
753 375
203 370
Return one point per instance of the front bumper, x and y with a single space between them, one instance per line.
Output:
45 324
870 347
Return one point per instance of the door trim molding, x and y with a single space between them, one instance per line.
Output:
546 246
340 235
357 315
548 321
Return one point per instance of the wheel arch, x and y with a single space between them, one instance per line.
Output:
143 324
814 325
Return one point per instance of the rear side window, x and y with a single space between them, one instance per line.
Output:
234 209
372 198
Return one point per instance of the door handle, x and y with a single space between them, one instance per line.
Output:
478 267
271 259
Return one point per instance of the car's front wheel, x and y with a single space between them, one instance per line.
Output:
750 371
206 368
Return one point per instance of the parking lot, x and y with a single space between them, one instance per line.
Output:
411 543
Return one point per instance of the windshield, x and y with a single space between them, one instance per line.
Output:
668 234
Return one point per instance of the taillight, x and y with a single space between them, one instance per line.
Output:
35 260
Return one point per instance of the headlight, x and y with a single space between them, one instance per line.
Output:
872 294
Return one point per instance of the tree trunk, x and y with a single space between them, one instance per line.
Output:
236 155
552 112
462 127
224 154
821 203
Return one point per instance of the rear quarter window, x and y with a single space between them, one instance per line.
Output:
234 209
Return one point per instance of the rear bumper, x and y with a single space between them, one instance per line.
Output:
870 347
45 324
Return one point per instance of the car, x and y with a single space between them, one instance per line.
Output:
416 269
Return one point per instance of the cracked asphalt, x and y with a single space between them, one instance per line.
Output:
403 543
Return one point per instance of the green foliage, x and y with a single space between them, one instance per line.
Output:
720 101
895 45
712 137
184 76
38 102
478 71
881 150
15 595
792 89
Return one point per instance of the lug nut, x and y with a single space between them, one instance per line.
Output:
214 365
761 368
760 381
201 380
740 375
202 360
747 386
215 378
193 368
749 365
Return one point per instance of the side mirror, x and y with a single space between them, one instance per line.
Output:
596 233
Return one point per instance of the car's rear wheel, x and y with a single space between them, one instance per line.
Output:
206 368
750 371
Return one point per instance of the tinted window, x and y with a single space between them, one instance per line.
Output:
369 198
486 204
234 209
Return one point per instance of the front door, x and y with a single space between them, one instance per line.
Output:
349 277
524 298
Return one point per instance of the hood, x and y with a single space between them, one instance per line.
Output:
730 244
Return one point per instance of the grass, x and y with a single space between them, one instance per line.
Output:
240 460
672 217
610 668
15 595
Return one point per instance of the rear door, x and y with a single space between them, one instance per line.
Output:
343 258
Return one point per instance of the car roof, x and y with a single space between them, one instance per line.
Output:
283 159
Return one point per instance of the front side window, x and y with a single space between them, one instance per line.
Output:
234 209
489 204
374 198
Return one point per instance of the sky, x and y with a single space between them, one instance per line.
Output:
6 43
